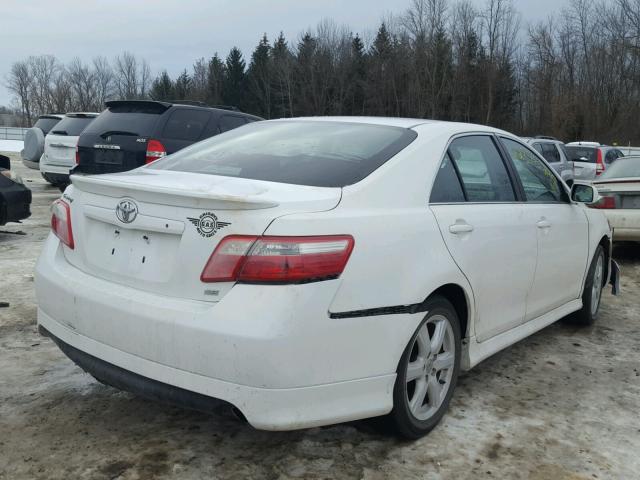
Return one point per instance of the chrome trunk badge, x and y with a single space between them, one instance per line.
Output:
127 211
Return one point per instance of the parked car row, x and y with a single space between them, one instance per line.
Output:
126 135
311 271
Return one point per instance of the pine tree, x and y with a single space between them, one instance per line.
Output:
162 87
282 62
259 79
183 86
215 80
234 85
357 77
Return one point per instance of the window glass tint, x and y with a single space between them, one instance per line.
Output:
538 147
322 154
186 124
550 153
611 155
447 188
46 124
72 126
129 122
538 180
482 170
628 167
229 122
581 154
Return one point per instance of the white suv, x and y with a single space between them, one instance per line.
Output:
60 145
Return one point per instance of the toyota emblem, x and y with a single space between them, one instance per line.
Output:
127 211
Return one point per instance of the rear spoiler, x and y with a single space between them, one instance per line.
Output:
82 115
139 105
102 185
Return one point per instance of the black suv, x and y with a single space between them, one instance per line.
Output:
132 133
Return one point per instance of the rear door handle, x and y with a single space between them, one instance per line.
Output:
543 224
457 228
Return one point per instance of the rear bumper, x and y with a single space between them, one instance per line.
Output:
55 169
625 223
265 409
55 178
271 351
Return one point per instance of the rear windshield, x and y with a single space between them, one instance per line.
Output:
623 168
46 124
320 154
581 154
72 126
126 120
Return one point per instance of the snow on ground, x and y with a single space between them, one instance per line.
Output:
11 145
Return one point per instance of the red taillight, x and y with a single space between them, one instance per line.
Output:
61 222
606 203
240 258
77 155
155 150
599 162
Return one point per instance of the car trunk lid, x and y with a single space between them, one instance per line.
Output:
60 150
154 230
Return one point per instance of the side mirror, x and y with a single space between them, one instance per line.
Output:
584 193
5 162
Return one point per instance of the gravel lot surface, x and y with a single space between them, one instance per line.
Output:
562 404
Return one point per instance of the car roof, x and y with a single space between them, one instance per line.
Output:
541 140
182 103
584 144
436 126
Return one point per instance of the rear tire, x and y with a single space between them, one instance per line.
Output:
592 293
427 372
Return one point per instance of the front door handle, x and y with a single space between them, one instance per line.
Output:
543 224
457 228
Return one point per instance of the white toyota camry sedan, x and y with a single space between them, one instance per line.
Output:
321 270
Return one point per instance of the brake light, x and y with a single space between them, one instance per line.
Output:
248 259
77 154
606 203
599 162
155 150
61 222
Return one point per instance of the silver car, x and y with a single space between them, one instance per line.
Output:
555 154
591 159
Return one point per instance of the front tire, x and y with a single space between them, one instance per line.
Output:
592 293
427 372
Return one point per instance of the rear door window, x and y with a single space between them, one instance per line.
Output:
72 126
229 122
46 124
538 180
447 187
315 153
550 153
186 124
482 171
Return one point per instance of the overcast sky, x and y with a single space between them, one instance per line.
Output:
171 34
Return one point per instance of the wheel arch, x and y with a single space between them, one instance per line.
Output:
460 301
607 245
